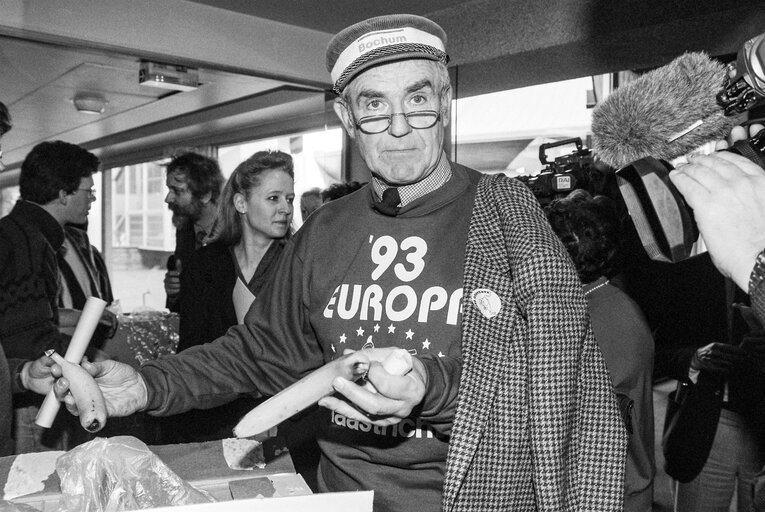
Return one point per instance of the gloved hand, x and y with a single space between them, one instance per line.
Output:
718 358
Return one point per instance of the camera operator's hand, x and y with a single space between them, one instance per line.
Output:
727 194
718 358
738 133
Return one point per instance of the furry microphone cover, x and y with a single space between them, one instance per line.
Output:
645 117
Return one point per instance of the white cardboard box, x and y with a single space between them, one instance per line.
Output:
293 495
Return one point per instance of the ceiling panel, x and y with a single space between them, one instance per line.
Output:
245 49
45 79
329 16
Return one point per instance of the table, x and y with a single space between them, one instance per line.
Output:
200 464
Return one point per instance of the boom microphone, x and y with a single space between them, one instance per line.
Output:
668 113
665 113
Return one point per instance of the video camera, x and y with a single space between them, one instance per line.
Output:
663 221
564 173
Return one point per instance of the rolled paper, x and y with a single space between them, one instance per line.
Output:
86 326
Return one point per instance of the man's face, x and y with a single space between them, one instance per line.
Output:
401 154
185 207
78 205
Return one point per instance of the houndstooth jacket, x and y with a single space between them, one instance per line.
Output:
537 427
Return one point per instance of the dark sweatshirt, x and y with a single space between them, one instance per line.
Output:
351 278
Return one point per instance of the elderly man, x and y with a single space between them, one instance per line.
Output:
381 268
194 183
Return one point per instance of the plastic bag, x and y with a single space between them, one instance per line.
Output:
120 473
9 506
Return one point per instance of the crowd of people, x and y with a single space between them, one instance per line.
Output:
532 375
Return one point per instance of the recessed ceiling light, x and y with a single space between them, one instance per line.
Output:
89 104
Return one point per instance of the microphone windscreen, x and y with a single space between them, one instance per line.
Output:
647 117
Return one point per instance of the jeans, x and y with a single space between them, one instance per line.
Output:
737 455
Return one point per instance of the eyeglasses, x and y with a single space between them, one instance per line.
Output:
419 120
91 191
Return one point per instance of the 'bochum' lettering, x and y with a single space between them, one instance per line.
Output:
379 41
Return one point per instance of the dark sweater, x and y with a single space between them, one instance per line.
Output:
207 284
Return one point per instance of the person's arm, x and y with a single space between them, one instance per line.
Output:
274 347
397 396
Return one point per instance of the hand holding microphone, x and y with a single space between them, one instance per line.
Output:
665 114
727 194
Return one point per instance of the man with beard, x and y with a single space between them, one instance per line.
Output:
194 182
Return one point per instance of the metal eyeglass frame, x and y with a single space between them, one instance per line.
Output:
389 117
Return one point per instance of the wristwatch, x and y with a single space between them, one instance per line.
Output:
758 272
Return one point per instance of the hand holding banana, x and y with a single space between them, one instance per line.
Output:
86 394
123 389
395 397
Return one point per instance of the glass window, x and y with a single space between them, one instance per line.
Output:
142 235
502 131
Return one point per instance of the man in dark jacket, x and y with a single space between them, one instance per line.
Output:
56 189
194 183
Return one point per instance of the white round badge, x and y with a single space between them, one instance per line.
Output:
487 302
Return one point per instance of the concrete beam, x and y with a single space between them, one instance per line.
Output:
174 31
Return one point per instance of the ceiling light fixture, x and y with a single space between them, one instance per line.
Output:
168 76
89 104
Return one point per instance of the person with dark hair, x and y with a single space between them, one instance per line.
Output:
194 183
56 186
310 200
338 190
590 230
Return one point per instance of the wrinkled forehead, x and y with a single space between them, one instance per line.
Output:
395 78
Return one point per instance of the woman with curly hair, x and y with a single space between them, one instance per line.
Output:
590 230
